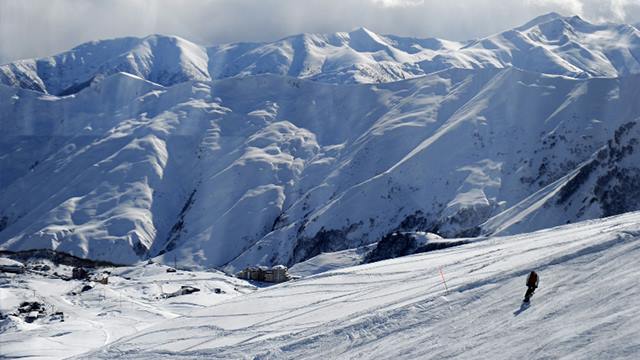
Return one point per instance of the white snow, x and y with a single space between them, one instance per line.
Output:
10 262
550 44
307 151
399 308
130 302
330 261
251 171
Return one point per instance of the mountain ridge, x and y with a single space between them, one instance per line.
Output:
550 44
147 155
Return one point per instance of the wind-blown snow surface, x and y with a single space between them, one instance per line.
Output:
161 161
585 307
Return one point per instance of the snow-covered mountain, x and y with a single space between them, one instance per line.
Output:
166 60
549 44
146 156
270 169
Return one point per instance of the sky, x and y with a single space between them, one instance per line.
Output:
36 28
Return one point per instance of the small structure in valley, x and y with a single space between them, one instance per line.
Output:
184 290
102 278
79 273
11 266
276 274
30 311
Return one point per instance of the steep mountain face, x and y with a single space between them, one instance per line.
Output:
147 156
549 44
270 169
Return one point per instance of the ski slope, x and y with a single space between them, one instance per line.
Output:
585 308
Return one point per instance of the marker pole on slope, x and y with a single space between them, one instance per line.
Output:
444 282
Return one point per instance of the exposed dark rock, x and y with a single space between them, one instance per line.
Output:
578 180
398 244
417 221
176 230
79 273
56 257
75 88
392 245
619 191
324 241
139 248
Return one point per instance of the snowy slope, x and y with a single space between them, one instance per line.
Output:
271 169
553 44
132 301
585 307
145 156
549 44
166 60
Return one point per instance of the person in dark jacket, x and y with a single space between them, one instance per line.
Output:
532 284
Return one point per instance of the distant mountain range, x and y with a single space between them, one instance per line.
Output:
264 153
549 44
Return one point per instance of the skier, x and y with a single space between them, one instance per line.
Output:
532 284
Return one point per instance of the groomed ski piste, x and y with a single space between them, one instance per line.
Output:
585 308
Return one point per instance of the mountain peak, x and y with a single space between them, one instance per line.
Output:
361 30
358 56
540 20
363 39
165 38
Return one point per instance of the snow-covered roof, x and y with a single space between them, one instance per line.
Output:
6 262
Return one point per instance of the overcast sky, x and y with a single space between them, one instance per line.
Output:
33 28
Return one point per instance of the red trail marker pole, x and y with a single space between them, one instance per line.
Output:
444 282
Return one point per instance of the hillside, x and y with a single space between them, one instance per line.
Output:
400 309
408 186
271 169
247 154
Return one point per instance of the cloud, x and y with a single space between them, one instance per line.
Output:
573 7
32 28
627 11
392 3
